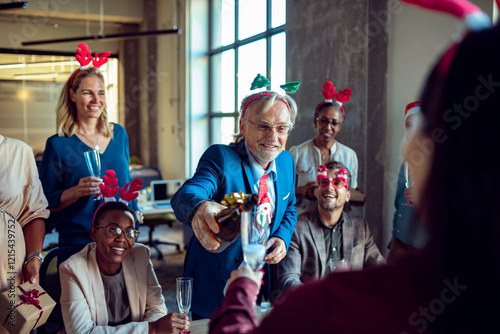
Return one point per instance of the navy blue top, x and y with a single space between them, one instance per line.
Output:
63 165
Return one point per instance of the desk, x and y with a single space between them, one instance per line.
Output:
154 217
201 326
148 209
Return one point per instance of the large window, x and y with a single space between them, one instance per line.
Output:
247 37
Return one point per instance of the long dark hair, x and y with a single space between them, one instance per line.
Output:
462 115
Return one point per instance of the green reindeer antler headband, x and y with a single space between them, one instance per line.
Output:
261 81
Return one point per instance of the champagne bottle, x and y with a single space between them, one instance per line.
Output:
229 219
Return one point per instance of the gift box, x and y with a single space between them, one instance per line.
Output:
24 308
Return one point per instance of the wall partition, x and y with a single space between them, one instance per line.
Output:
30 86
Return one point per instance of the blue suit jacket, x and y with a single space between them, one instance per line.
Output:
221 170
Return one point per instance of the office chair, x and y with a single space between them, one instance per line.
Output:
148 174
51 283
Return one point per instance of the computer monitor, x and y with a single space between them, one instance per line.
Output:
162 191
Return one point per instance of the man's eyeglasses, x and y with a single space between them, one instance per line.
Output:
337 183
325 122
281 130
114 232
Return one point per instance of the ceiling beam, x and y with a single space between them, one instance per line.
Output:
98 38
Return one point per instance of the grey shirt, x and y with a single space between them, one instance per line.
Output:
116 299
333 240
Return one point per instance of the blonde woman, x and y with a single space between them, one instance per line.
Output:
82 125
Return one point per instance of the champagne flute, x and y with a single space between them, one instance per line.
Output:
254 234
93 161
408 178
184 293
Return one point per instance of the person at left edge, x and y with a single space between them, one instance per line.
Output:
265 122
82 125
23 209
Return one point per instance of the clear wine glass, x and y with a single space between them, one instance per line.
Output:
93 161
184 294
408 179
254 235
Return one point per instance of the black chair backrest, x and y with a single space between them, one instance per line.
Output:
51 283
146 174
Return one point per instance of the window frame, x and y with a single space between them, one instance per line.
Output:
213 52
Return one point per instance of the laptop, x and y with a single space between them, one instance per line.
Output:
162 192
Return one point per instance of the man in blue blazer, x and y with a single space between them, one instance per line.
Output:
266 120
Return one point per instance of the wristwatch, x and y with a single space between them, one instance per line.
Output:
33 255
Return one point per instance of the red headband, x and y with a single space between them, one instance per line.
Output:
84 57
458 8
261 95
329 94
109 189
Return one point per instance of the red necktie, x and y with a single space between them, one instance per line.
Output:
263 190
263 216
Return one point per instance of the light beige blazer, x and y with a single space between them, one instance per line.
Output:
82 299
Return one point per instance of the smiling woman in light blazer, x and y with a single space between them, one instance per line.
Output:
110 286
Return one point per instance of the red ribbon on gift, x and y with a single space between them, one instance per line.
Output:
30 298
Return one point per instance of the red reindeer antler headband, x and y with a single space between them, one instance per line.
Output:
127 193
329 94
110 189
84 57
110 186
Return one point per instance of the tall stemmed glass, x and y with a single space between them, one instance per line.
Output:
408 178
254 235
94 164
184 294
